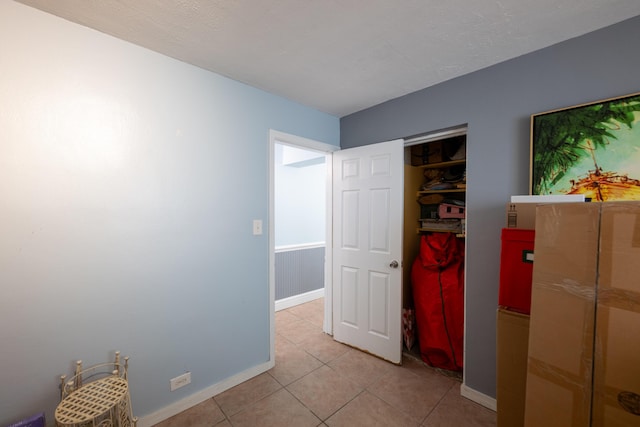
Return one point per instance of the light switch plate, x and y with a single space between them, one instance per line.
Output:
257 227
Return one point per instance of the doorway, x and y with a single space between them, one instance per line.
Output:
299 224
319 155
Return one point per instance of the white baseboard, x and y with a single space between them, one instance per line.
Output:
284 303
479 398
202 395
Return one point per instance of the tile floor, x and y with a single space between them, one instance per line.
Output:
319 382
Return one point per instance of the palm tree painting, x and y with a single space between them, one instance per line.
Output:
591 149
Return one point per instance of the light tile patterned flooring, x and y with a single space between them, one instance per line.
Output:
319 382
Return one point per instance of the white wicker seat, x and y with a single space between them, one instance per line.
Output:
97 396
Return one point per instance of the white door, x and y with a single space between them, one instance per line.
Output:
367 237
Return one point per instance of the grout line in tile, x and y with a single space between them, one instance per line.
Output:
228 416
437 404
346 403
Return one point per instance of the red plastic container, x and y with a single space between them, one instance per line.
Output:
516 269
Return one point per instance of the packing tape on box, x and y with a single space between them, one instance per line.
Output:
571 287
619 298
553 374
579 386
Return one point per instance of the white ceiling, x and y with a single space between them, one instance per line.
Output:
341 56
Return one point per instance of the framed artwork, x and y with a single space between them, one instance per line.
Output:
591 149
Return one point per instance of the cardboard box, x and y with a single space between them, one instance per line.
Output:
521 210
616 397
427 153
511 378
521 215
586 257
562 315
435 152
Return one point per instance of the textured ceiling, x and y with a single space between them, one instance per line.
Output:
341 56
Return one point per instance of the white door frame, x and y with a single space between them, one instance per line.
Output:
277 137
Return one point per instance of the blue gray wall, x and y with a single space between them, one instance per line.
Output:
128 186
299 271
496 103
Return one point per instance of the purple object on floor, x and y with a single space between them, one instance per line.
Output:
35 421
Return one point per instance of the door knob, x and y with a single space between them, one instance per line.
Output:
394 264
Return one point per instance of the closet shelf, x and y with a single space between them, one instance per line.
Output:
434 230
450 190
441 165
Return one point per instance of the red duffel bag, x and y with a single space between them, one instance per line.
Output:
437 277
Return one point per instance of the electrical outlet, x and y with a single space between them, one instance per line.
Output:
180 381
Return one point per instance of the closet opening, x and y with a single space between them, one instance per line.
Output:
434 249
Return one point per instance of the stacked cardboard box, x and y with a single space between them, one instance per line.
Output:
511 377
616 399
513 326
583 363
521 211
562 313
521 215
514 301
